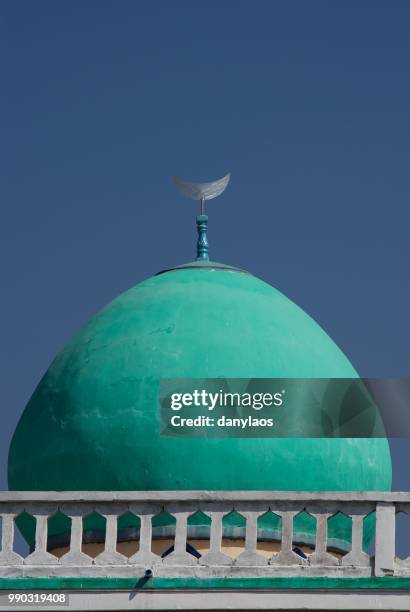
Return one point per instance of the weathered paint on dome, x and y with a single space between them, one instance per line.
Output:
93 421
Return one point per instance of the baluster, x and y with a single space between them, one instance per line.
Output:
357 557
402 564
215 555
40 556
7 554
321 556
385 539
75 556
110 555
249 556
144 556
286 556
180 556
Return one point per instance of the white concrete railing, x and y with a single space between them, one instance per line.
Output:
215 504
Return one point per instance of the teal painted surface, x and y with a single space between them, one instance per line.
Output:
362 584
202 247
93 421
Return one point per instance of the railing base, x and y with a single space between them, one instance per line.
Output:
189 571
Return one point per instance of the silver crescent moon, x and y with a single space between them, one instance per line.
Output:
202 191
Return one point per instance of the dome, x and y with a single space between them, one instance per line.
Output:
95 412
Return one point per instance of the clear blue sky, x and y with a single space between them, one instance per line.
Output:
306 103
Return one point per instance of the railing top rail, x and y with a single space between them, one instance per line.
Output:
203 495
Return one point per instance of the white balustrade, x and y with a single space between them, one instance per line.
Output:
321 560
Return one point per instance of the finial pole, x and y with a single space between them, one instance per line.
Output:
202 246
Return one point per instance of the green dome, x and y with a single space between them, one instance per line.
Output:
95 414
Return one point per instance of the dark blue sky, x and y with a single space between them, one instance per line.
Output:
306 103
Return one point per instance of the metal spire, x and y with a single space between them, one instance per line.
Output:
202 192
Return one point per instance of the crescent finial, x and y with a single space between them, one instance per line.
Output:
202 192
